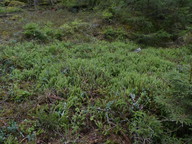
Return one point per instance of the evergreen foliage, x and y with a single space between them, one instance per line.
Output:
155 21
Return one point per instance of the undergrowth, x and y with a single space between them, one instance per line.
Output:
63 91
4 10
77 78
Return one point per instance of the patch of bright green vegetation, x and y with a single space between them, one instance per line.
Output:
4 10
67 90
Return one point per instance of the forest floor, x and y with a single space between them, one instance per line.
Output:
11 25
77 78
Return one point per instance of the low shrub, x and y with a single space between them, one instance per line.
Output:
16 4
107 15
160 38
111 33
33 31
48 33
9 9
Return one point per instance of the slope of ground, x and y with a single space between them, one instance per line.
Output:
87 90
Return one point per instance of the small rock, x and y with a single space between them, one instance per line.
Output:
137 50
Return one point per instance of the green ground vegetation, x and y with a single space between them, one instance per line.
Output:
78 77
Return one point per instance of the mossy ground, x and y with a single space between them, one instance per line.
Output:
83 89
